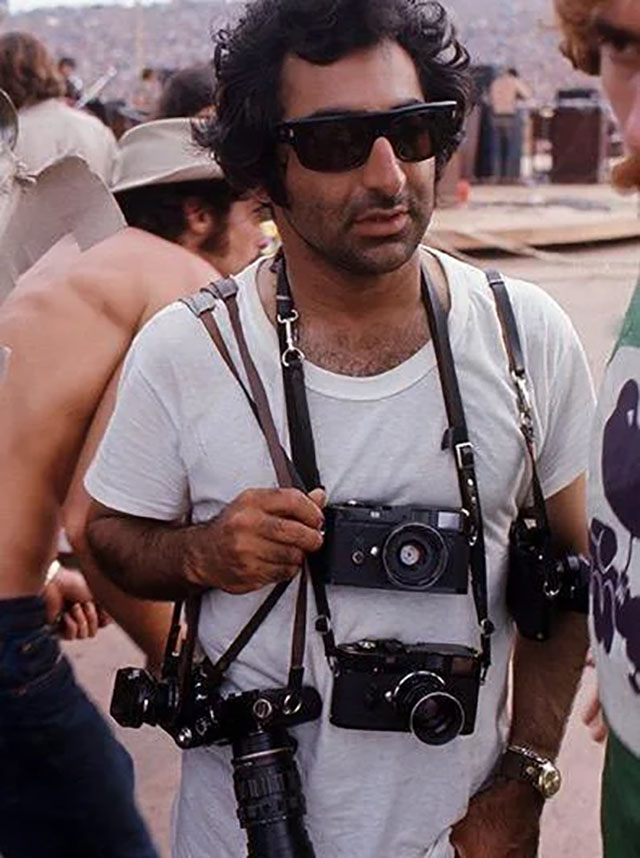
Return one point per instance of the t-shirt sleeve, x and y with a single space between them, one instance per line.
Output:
138 468
565 416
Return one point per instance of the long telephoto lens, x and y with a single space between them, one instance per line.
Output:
271 805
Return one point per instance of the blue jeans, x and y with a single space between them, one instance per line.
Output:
66 784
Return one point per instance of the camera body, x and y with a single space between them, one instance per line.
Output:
267 785
540 584
395 548
205 717
430 690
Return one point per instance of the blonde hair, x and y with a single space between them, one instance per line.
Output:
579 44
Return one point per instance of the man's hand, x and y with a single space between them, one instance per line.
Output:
503 821
70 606
261 538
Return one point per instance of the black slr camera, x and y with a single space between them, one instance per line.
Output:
430 690
395 548
539 583
271 804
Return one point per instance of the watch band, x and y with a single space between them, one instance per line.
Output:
523 764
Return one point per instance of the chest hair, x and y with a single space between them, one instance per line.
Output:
377 349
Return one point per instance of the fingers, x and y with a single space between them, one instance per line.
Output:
79 622
593 719
286 503
288 532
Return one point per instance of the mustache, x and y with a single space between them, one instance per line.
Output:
383 202
626 176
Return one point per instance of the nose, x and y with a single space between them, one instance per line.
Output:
382 172
632 125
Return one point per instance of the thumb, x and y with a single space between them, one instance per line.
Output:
319 497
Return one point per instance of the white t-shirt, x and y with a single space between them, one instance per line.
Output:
51 129
182 436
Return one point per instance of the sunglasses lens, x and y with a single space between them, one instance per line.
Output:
422 135
332 146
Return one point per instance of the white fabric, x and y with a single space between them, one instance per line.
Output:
182 435
51 129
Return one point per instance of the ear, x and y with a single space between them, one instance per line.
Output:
199 219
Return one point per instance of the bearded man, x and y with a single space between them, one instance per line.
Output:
604 38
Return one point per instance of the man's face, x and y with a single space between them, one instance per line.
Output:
242 240
370 219
618 26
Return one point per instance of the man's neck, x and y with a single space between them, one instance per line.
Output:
326 293
357 325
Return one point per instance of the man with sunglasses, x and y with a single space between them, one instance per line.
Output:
342 127
604 38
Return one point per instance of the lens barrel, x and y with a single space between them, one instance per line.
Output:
268 789
435 716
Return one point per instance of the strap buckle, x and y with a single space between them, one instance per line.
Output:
323 624
464 455
292 353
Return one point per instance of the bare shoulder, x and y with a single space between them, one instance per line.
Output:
133 274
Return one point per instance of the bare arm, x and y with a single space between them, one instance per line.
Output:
546 675
260 538
503 821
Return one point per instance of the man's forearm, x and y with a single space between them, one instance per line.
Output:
145 558
545 681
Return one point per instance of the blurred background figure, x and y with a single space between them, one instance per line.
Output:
48 126
72 83
146 95
505 93
188 92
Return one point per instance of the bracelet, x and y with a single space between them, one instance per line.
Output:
52 571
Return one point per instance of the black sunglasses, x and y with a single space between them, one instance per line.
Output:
338 142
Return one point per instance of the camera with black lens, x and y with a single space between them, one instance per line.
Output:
539 583
268 789
430 690
395 548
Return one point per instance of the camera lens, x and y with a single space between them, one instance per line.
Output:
271 805
434 716
414 556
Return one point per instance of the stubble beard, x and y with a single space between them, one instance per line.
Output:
360 256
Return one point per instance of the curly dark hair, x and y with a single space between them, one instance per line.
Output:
27 72
248 60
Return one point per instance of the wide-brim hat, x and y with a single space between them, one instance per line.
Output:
161 152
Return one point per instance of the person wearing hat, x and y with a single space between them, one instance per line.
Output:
65 330
165 185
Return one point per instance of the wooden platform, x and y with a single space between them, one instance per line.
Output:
507 217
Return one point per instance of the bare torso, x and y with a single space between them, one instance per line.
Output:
68 326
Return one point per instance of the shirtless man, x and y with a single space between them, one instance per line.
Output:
64 340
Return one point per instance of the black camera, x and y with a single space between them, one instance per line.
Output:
430 690
540 584
271 804
395 548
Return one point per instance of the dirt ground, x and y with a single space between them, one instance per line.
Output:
594 286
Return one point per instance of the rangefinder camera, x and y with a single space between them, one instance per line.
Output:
430 690
395 548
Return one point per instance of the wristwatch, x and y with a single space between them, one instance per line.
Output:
522 764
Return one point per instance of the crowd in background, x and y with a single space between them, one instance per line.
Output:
174 35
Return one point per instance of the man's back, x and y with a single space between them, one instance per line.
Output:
68 335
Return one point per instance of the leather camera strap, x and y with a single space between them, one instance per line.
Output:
226 290
518 373
456 439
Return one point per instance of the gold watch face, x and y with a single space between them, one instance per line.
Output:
549 780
